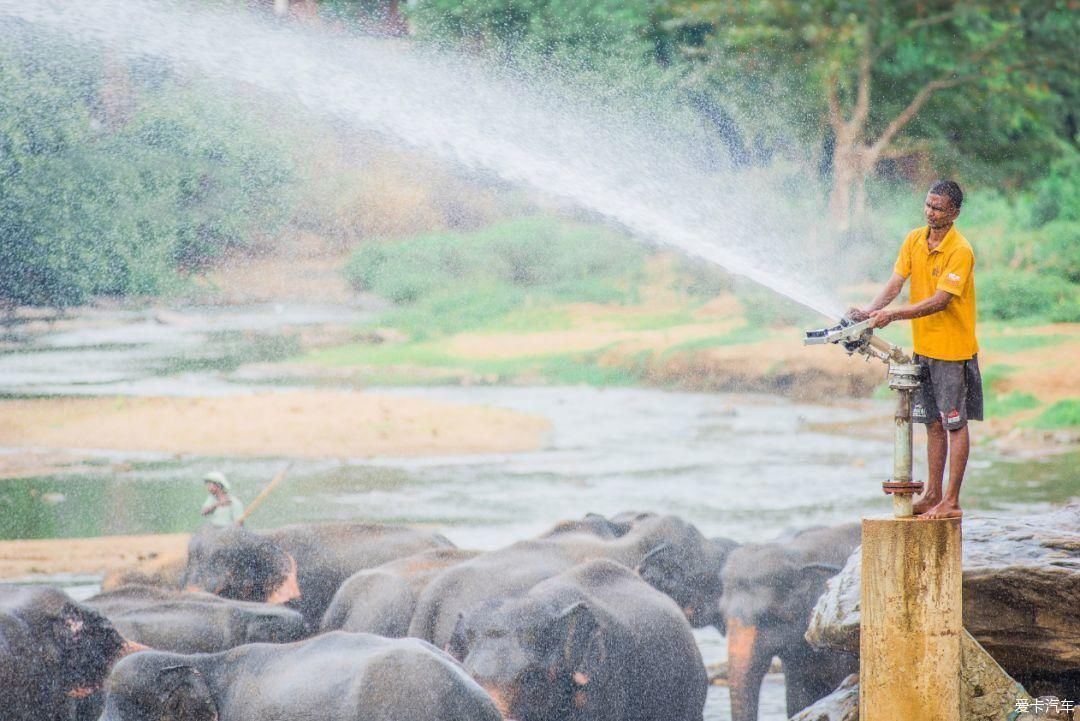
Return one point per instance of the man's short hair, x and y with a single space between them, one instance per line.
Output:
950 188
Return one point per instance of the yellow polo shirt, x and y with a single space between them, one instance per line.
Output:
948 334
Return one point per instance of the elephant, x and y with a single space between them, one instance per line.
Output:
770 590
192 622
594 642
337 676
301 565
594 524
381 600
509 571
670 554
667 552
54 653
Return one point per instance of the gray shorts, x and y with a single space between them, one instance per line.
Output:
950 392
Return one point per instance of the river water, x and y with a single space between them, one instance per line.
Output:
748 467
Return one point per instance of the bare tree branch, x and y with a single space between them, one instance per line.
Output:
861 111
923 95
832 97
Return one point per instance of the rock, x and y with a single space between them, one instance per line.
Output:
1021 585
841 705
834 622
1045 708
987 693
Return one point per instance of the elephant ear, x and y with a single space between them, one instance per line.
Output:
461 639
663 569
583 649
812 574
808 586
184 695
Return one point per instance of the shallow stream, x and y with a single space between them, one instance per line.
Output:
748 467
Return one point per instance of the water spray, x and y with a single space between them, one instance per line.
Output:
904 378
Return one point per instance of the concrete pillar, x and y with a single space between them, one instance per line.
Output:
912 620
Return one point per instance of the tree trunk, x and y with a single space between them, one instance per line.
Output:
846 174
852 165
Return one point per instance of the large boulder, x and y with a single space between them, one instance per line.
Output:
841 705
987 693
1021 585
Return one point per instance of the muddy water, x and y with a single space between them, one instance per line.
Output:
742 466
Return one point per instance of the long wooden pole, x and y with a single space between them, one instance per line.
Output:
264 493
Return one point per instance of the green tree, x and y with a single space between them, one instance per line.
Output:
891 79
589 32
106 189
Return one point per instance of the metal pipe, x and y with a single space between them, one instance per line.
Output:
902 502
904 379
902 446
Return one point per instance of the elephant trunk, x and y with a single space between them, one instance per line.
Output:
747 665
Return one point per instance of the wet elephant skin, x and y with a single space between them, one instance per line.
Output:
381 600
54 653
667 552
770 590
333 677
187 622
594 643
248 566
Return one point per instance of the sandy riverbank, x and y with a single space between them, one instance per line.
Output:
89 556
311 424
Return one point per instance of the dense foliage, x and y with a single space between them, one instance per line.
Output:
873 95
113 185
116 178
455 281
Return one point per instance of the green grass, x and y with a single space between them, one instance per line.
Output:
993 374
999 405
508 277
1063 414
745 334
454 310
1019 343
649 321
531 319
451 282
520 276
396 364
381 355
583 369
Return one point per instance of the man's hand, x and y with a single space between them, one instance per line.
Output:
881 318
857 314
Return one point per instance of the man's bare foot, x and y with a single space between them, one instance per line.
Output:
945 509
924 504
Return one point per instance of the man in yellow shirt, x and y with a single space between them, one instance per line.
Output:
940 263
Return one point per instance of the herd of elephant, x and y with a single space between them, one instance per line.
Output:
341 622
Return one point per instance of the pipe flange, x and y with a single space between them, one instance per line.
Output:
905 376
910 487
